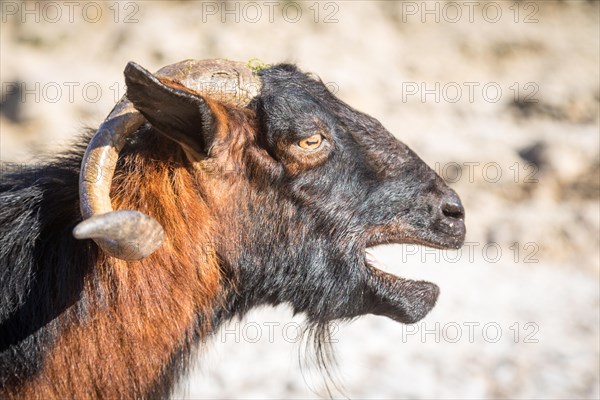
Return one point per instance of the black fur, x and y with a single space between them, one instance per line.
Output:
38 281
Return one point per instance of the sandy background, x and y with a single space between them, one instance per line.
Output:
500 97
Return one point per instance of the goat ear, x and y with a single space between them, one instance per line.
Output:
175 111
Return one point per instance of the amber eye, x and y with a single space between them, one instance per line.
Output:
311 143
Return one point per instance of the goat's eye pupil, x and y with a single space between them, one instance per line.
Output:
311 143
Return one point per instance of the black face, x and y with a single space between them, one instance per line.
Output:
320 182
344 183
360 170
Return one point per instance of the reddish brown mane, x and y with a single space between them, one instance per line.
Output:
147 308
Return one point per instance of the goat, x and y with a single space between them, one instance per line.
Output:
235 187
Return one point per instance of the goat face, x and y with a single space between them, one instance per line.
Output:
350 184
301 185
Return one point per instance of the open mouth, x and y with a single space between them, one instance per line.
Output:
401 299
450 242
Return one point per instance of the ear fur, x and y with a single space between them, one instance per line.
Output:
178 113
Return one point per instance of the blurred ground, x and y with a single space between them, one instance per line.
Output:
501 98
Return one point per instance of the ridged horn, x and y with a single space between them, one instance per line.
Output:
130 234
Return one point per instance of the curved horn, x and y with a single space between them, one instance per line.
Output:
128 234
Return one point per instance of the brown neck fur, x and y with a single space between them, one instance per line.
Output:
139 315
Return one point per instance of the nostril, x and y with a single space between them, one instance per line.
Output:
453 209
